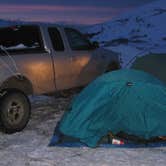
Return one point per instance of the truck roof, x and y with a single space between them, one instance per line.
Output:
35 24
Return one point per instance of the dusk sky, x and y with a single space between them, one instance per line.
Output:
67 11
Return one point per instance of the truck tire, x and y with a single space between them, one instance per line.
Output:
15 112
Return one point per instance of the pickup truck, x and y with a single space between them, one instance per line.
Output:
40 59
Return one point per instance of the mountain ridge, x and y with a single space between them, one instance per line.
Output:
139 32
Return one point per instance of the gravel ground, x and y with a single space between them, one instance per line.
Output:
29 148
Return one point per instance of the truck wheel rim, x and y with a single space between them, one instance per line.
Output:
15 112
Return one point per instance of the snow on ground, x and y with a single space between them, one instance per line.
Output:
29 148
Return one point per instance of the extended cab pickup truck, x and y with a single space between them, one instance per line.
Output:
40 59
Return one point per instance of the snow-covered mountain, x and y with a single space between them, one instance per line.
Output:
134 34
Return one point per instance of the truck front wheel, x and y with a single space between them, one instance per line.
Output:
15 112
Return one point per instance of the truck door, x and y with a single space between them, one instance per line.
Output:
85 65
24 52
61 59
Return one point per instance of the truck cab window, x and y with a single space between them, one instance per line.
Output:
21 39
56 39
76 40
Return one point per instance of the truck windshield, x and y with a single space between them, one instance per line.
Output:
21 38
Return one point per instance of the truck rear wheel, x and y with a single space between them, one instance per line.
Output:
15 112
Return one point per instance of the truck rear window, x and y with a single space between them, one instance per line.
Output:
21 39
56 39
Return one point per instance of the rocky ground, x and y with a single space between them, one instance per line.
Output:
29 148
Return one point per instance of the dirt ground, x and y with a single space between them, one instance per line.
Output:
29 147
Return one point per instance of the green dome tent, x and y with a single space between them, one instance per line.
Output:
127 101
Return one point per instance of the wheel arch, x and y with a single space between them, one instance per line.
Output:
17 83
